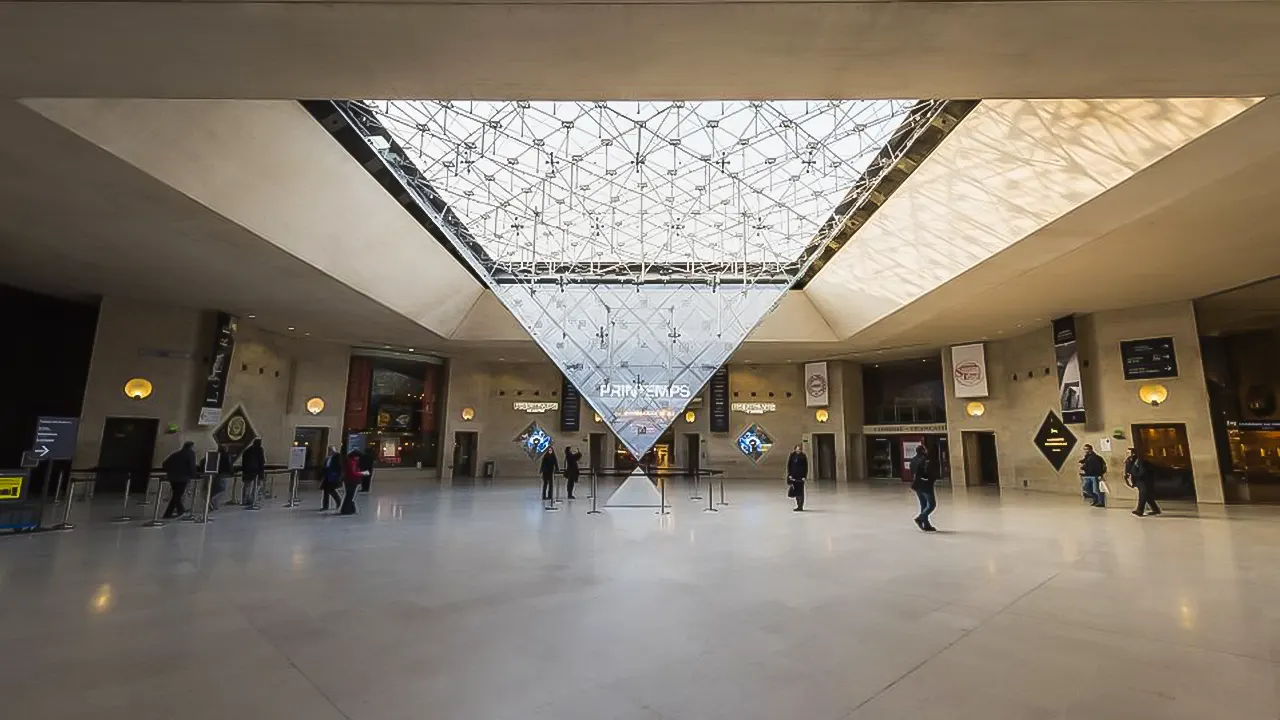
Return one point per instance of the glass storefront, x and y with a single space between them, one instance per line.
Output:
393 409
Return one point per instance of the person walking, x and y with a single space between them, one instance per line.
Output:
1092 470
1138 476
366 468
548 468
253 468
351 482
331 478
179 468
922 480
571 470
797 471
222 476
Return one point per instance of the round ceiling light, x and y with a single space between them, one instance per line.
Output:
138 388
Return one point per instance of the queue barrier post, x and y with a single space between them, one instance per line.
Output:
722 500
155 520
293 490
711 496
662 484
697 486
66 523
594 510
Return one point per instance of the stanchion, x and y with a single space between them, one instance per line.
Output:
593 510
697 487
66 523
711 496
208 494
155 520
57 493
293 490
722 502
269 488
124 516
195 493
662 509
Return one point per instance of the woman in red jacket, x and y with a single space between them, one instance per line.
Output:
351 476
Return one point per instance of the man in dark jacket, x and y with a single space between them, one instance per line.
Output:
1092 468
922 479
179 468
571 470
797 471
253 468
548 468
1138 476
366 467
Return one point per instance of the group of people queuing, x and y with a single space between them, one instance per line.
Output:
354 471
550 466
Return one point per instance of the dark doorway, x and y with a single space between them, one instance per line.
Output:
128 446
692 453
464 454
1168 456
824 450
316 441
980 464
597 456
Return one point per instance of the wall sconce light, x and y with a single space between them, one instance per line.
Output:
690 416
138 388
975 409
822 415
1153 395
468 414
598 418
315 405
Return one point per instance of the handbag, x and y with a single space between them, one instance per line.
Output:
1102 487
791 488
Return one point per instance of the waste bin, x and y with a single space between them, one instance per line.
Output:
490 467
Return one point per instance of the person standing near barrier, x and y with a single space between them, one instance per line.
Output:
549 468
797 471
922 480
366 468
222 478
253 467
571 470
331 479
351 482
179 469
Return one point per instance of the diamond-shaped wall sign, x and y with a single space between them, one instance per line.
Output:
755 443
1055 440
534 441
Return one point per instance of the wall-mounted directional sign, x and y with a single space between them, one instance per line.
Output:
1054 440
1149 358
55 438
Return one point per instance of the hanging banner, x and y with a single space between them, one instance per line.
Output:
1070 387
816 384
719 400
570 406
215 385
969 370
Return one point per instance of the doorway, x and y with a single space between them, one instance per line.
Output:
464 454
824 450
316 441
128 447
1167 454
692 453
981 466
595 448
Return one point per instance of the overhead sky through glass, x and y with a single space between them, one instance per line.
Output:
615 188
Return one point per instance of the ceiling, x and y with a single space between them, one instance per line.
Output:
638 49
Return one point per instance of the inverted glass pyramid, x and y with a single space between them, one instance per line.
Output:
638 242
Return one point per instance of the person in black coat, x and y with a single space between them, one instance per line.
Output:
179 469
797 471
366 467
548 468
922 479
1138 476
222 477
571 471
253 468
331 479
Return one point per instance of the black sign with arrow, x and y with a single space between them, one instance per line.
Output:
1150 358
55 438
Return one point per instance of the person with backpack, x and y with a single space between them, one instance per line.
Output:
922 480
1138 476
1092 470
179 468
331 478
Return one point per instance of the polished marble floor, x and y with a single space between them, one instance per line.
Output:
472 603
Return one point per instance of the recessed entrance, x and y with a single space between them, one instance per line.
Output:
128 446
1168 458
597 455
464 453
981 466
824 452
316 441
692 453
